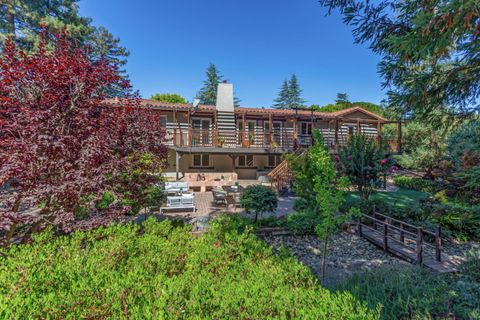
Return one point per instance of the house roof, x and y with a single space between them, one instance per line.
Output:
261 111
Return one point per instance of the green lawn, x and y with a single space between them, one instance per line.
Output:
401 198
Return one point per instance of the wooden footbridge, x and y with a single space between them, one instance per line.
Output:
406 241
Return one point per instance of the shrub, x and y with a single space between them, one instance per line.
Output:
158 272
365 163
303 222
404 292
412 183
107 199
259 199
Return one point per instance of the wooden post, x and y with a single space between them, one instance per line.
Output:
420 246
385 237
402 234
359 128
189 125
295 133
175 127
438 244
399 137
270 127
215 133
244 125
336 134
379 132
359 227
177 165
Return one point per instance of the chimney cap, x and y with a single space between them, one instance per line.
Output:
224 81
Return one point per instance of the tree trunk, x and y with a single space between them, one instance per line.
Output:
10 8
324 258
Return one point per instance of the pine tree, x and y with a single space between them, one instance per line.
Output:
25 20
105 45
208 94
289 96
295 98
429 53
283 100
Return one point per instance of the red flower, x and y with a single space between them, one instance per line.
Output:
383 161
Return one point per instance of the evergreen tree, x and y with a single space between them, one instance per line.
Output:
24 20
342 99
105 45
429 52
295 98
208 94
283 100
289 96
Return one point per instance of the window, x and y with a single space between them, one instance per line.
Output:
163 122
305 128
273 161
201 160
245 161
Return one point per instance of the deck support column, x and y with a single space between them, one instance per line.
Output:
177 165
379 132
244 126
270 128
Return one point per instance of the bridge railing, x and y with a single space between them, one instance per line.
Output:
407 235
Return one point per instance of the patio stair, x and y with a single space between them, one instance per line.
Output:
281 177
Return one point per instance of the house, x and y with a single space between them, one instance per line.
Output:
214 145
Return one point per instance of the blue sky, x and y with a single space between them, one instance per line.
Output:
255 43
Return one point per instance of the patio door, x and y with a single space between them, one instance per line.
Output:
201 135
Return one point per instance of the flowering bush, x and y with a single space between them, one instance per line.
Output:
365 163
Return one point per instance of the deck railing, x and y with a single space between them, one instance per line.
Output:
284 138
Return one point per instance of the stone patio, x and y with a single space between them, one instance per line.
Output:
206 207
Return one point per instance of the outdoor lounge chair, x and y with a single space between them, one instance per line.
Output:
220 197
180 202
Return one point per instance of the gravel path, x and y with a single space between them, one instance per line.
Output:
347 254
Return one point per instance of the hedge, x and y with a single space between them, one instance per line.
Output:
158 271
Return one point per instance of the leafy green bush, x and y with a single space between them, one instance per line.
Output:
259 199
157 271
134 205
412 183
404 292
107 199
303 222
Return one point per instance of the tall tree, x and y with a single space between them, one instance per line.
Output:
342 99
430 51
59 139
24 21
296 100
105 46
169 97
283 99
208 93
289 96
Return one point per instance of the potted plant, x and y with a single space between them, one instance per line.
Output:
221 141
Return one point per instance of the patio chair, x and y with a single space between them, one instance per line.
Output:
220 197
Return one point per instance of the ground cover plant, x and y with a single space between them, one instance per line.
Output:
158 271
409 292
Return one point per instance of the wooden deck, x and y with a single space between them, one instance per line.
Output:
406 242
